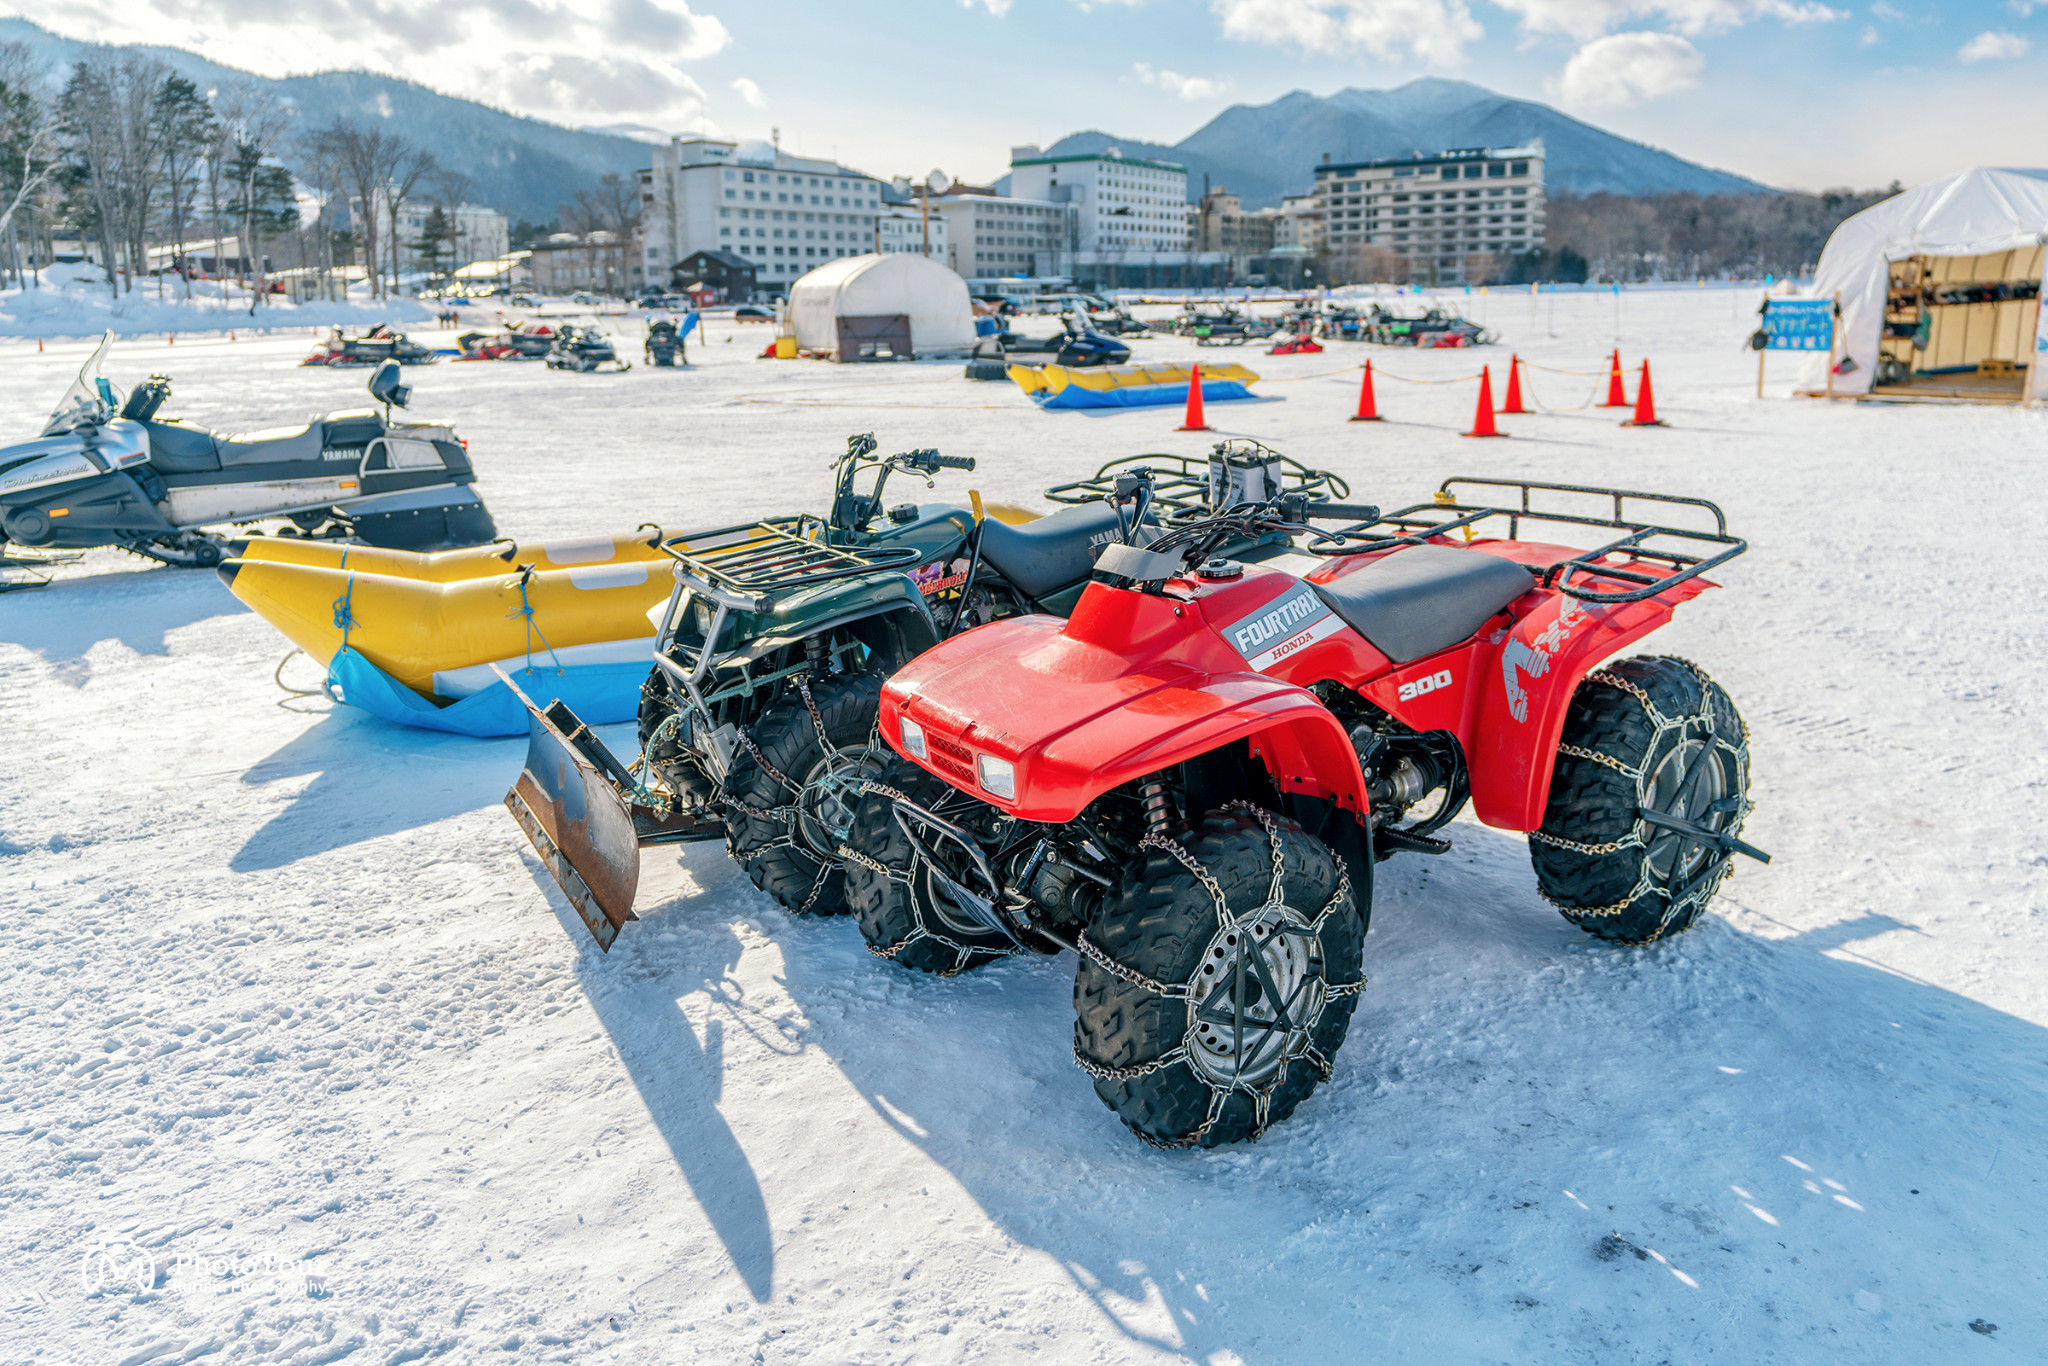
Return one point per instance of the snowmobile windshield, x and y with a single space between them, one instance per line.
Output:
90 400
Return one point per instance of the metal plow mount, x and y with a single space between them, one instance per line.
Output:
575 803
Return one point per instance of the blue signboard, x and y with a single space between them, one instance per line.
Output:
1799 324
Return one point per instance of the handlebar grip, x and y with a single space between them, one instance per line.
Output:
1358 512
951 462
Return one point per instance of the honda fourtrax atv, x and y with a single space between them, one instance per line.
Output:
374 347
757 718
1187 781
584 350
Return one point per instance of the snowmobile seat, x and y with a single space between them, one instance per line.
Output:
176 448
1424 598
273 446
1052 552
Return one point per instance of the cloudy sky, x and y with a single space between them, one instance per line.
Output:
1798 93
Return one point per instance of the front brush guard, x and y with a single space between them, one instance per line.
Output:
919 824
588 819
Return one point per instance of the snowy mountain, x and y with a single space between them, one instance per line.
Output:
522 166
1264 151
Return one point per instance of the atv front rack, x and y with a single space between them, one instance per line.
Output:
754 559
1180 491
1684 553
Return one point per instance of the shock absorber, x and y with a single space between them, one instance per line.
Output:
815 656
1152 801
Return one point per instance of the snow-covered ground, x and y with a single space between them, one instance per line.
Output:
74 301
287 994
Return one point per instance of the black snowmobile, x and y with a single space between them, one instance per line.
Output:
584 350
374 347
107 470
664 346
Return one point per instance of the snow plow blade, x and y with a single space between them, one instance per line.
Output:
575 802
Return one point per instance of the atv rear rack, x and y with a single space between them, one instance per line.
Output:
1181 482
1687 553
751 560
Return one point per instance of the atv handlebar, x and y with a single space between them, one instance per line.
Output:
930 460
1357 512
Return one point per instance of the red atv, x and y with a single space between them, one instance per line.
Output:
1189 780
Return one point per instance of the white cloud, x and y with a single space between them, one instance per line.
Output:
1995 47
1173 83
1868 37
518 54
1628 68
998 8
750 92
1431 30
2022 8
1588 19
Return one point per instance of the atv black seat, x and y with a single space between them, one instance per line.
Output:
1424 598
1052 552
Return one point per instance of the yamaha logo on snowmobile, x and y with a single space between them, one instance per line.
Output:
1290 623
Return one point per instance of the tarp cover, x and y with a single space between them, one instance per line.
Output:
879 285
599 693
1971 213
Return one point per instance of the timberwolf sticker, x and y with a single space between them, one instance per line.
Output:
1289 623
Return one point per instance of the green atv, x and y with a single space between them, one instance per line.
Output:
757 718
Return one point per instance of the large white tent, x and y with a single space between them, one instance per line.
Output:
1913 247
863 290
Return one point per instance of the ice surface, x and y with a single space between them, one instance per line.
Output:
287 995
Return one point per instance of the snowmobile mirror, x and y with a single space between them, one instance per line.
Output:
386 388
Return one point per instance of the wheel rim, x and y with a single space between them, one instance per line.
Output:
1687 784
825 807
1256 996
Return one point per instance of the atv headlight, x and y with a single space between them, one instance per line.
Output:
912 735
997 775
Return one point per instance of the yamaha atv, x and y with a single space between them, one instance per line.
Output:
1189 780
374 347
584 350
769 658
108 470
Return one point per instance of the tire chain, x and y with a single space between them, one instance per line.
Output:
1703 887
789 813
907 878
1261 1096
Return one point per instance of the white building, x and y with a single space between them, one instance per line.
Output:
904 228
990 236
1126 204
480 234
784 214
1131 216
1446 215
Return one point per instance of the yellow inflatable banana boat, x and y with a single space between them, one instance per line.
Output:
441 638
448 566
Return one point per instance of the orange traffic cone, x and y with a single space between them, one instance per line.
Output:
39 346
1646 404
170 339
1482 422
1616 398
1368 411
1193 422
1512 403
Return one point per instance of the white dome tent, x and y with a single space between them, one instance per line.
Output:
1941 286
879 306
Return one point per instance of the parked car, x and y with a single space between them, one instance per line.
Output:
525 301
752 313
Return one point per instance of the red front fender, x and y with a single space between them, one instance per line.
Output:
1075 722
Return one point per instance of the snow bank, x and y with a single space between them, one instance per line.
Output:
73 301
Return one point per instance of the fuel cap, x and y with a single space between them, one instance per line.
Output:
1220 569
903 512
